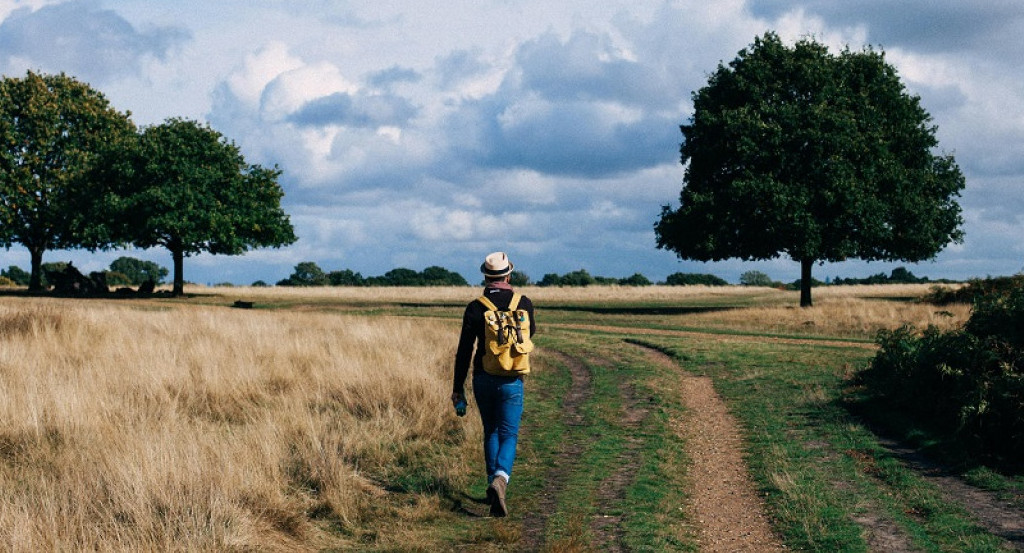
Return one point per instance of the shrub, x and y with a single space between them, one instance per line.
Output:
345 277
519 278
550 279
975 289
635 280
967 383
4 282
756 278
687 279
307 273
115 278
16 274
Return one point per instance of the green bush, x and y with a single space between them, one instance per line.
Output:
975 289
16 274
756 278
636 280
967 383
115 278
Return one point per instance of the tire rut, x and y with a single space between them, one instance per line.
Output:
607 524
998 517
534 523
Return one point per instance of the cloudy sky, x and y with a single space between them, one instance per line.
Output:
430 133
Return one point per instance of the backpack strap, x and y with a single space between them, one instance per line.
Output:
512 305
487 303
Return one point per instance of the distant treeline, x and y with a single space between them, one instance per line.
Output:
128 271
899 275
308 273
583 278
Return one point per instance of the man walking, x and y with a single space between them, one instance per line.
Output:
498 392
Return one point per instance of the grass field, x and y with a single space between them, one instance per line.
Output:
319 420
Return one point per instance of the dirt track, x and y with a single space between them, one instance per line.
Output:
725 507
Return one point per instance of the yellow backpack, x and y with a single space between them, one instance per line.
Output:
507 343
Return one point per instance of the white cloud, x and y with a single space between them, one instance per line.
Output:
292 89
248 82
414 134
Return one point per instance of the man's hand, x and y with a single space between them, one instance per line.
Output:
459 402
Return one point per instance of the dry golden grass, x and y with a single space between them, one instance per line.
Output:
463 293
834 316
214 429
190 427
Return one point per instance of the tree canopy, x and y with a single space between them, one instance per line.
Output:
821 157
188 189
53 131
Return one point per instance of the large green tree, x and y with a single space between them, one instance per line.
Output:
187 188
821 157
53 131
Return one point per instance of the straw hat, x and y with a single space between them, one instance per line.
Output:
496 265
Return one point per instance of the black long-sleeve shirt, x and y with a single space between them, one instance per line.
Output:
473 332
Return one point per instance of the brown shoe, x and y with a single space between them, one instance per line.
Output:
496 496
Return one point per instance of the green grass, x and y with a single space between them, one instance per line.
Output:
817 463
648 507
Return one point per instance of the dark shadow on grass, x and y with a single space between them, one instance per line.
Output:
459 501
953 454
18 293
434 305
640 310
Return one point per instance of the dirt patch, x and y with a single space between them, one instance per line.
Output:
883 534
724 505
579 392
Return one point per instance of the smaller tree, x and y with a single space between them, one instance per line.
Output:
439 276
306 273
578 278
137 271
756 278
402 277
550 279
345 277
635 280
519 278
188 189
17 275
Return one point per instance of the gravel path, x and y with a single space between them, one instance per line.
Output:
724 506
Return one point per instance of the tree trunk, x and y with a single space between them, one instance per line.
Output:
179 271
805 282
35 280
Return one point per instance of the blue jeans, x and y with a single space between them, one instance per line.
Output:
500 401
